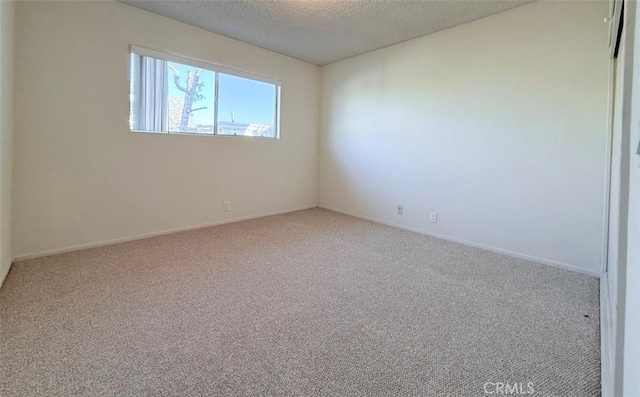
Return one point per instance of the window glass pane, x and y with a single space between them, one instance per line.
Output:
133 82
246 107
148 94
169 96
190 99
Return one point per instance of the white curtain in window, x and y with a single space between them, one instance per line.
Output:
150 94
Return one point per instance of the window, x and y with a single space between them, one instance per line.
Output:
173 95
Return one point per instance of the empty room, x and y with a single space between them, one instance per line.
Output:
320 198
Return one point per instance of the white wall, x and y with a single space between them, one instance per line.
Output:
498 125
7 12
82 178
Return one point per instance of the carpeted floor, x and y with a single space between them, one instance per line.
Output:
311 303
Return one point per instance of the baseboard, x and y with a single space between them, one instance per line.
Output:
4 274
558 265
150 235
244 218
606 338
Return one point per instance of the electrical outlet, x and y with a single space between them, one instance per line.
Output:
226 206
433 217
400 210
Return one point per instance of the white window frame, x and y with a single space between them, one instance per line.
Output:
212 67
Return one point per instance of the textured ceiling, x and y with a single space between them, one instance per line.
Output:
325 31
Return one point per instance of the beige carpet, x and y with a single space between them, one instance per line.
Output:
311 303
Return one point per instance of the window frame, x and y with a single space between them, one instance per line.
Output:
216 69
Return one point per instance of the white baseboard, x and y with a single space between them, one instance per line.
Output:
558 265
606 338
4 274
150 235
244 218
